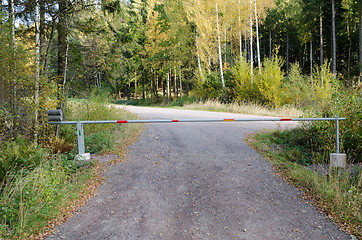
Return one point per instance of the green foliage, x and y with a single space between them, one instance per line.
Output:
210 88
297 89
30 199
269 81
98 142
19 155
348 104
245 88
262 86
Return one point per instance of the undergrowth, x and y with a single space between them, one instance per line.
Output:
38 182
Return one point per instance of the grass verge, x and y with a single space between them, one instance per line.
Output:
338 193
246 108
217 106
38 196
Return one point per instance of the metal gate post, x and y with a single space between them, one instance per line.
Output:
80 133
337 134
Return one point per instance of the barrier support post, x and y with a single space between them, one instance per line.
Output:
338 159
81 149
337 134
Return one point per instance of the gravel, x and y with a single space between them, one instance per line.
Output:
196 181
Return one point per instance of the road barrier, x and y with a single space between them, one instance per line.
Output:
337 157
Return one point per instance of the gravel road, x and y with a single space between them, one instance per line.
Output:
196 181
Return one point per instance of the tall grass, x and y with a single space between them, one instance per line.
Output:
245 108
36 183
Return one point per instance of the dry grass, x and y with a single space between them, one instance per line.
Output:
245 108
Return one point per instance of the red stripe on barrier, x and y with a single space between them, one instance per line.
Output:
228 120
122 121
286 119
174 120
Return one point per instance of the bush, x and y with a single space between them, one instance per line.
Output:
348 104
245 88
269 81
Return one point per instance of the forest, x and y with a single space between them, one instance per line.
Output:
82 55
267 52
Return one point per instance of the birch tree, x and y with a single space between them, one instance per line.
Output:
219 42
257 35
37 66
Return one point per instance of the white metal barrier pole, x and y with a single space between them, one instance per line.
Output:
80 131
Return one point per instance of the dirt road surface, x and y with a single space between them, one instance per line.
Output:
196 181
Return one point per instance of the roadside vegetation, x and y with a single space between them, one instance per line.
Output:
41 184
301 155
268 58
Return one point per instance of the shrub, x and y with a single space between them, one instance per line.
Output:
245 88
269 81
348 104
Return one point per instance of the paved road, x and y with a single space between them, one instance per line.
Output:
196 181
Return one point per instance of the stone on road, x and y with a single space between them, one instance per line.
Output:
196 181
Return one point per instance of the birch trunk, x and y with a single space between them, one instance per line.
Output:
13 40
219 41
270 44
321 43
321 37
257 35
334 50
231 44
225 39
198 54
240 39
251 44
37 68
12 22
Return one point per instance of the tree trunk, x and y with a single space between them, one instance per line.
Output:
231 44
270 44
240 38
257 36
46 58
37 68
251 44
168 86
225 40
287 52
13 40
180 74
360 42
334 46
321 43
62 39
175 91
219 41
321 37
311 53
198 54
42 31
